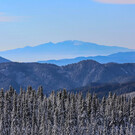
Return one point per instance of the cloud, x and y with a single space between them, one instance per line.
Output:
117 1
6 18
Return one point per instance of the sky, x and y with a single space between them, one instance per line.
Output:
34 22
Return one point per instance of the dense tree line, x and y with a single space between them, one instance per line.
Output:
32 113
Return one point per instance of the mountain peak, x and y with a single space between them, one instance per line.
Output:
74 42
89 62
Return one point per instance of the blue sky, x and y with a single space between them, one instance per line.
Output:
33 22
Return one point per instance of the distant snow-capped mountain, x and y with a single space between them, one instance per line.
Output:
65 49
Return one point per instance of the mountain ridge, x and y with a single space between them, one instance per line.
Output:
53 77
120 57
3 60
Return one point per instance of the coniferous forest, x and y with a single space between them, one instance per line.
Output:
31 112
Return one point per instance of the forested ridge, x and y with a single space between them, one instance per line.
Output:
103 89
72 76
31 112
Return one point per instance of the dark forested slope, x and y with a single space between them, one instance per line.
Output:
53 77
103 89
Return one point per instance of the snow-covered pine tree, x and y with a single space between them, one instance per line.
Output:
64 113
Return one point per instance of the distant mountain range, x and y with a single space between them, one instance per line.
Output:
3 60
53 77
121 57
65 49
